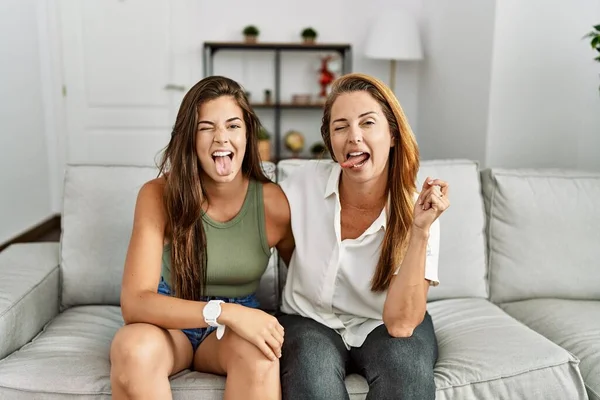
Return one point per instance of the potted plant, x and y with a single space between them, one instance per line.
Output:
594 37
318 150
250 33
264 144
309 35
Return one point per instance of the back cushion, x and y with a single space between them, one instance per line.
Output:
462 266
543 234
99 203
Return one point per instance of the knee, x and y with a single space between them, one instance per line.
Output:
311 367
248 358
400 374
309 350
135 351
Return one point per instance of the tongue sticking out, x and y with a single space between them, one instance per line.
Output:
223 164
354 160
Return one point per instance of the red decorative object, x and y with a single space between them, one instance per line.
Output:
325 76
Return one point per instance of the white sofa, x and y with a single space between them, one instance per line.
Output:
517 313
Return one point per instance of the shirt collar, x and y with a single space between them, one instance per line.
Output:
333 181
333 188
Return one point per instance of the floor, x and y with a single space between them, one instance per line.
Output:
48 231
52 236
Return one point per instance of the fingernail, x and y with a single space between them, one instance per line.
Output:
430 182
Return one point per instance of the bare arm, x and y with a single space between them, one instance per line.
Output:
277 210
140 301
406 300
286 247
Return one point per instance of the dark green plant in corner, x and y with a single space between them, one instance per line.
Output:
594 37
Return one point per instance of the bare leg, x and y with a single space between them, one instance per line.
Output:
250 374
143 356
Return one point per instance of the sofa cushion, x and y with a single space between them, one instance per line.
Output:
483 354
71 357
462 265
486 354
543 234
573 325
97 219
29 291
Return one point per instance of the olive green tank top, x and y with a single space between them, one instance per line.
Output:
237 250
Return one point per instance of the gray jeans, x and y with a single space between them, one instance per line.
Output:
315 362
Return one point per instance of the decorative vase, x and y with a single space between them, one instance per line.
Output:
264 150
309 40
250 38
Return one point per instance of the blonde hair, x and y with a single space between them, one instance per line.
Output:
402 172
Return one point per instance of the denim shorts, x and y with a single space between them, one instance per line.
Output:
197 335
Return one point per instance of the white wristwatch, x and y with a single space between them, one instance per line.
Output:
211 312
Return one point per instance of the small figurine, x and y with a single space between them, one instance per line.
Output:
325 76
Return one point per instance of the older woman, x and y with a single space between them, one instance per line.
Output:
366 254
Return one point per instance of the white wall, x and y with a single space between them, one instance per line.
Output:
337 21
24 177
455 78
544 99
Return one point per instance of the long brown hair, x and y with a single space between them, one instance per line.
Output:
184 193
402 171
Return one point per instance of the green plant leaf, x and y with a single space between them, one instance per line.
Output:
597 27
597 58
595 42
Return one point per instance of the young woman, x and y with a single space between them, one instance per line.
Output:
200 243
366 254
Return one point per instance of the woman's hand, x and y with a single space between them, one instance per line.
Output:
256 326
431 203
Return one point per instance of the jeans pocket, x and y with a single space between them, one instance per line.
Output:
250 301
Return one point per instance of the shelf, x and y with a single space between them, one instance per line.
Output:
288 106
214 46
279 107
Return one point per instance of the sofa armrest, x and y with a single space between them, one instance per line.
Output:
29 292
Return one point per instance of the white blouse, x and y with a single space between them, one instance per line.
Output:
329 279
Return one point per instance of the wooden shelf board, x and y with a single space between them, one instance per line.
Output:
277 46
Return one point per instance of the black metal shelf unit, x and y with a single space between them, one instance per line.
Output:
343 49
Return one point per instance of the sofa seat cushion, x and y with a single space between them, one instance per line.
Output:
573 325
70 358
486 354
483 353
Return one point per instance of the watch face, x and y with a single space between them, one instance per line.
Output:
211 310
